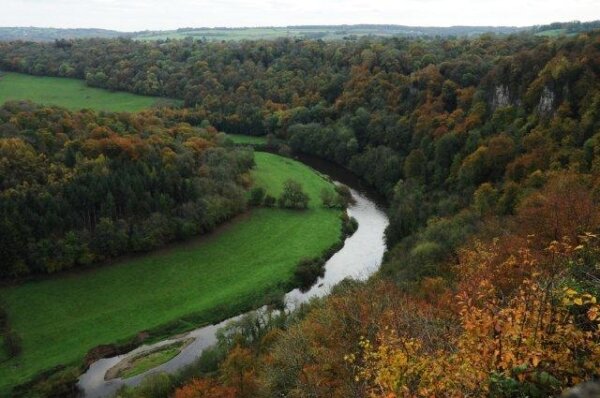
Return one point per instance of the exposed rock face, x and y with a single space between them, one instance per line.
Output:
547 99
589 389
501 97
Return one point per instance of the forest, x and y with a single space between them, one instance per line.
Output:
79 188
487 150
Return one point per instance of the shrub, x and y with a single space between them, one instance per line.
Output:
154 386
269 201
327 197
257 196
307 272
293 197
349 225
344 196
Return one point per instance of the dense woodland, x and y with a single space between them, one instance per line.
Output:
82 187
488 150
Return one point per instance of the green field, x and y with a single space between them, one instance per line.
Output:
61 318
69 93
330 32
264 33
552 32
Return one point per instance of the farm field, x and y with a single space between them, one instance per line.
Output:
69 93
315 32
59 319
264 33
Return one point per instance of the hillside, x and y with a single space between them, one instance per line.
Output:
488 152
315 32
333 32
51 34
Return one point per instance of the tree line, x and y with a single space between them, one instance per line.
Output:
82 187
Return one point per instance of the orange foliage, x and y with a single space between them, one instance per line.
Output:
204 388
565 207
532 334
198 144
238 371
113 144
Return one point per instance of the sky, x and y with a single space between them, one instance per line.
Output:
134 15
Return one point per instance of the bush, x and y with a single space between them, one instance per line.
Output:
257 196
293 197
327 197
307 272
349 225
269 201
344 197
154 386
210 359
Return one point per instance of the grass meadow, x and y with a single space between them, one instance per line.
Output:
60 318
73 94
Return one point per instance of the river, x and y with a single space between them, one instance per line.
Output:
360 257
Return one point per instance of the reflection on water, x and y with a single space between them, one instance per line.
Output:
359 258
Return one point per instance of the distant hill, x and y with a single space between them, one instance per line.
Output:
50 34
565 28
323 32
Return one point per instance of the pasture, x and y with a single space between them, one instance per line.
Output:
73 94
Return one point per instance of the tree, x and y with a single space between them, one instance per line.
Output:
293 197
415 165
485 198
84 187
238 371
205 388
269 201
109 239
257 195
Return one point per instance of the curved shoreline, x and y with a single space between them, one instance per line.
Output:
360 256
129 362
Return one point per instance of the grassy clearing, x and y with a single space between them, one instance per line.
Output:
552 33
60 319
69 93
273 170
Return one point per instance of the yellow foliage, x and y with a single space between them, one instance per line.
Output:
534 330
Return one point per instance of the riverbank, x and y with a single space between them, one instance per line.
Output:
360 257
61 319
